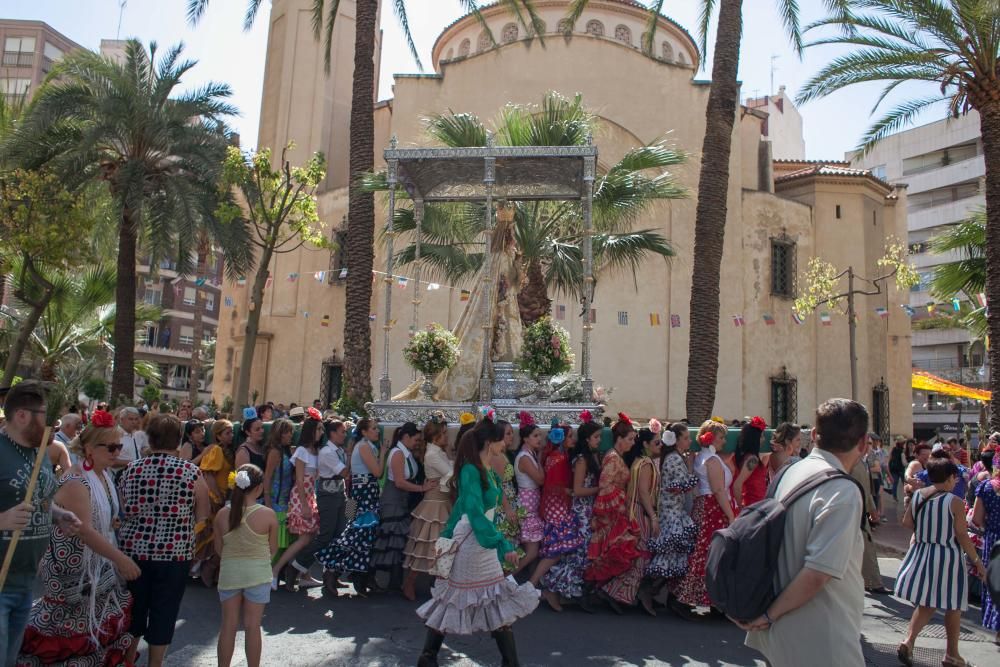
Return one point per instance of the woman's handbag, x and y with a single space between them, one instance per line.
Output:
444 557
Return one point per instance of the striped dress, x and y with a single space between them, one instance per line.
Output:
933 572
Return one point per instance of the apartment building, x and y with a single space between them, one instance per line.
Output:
942 165
30 49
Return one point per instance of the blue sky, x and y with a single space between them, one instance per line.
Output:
226 53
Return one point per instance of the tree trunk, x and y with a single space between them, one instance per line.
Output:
242 394
199 326
360 211
989 124
123 372
710 217
27 326
533 298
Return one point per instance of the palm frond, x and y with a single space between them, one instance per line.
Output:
705 12
399 8
460 130
894 119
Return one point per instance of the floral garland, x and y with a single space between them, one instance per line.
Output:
545 350
432 350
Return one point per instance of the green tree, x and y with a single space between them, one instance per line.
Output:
965 277
547 234
953 48
713 178
159 152
280 209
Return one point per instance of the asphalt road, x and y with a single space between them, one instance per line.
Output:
303 630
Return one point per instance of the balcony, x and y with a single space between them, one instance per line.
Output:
943 214
18 59
942 176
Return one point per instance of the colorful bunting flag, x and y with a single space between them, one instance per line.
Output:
402 282
981 298
371 317
825 318
956 305
325 322
305 314
768 319
432 286
930 307
654 319
320 276
561 312
882 312
464 296
908 310
797 319
738 320
241 282
343 274
269 280
292 277
675 321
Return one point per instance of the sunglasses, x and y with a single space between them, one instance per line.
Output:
112 448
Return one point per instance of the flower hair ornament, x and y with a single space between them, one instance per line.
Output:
524 418
313 413
706 439
487 412
243 480
622 417
758 423
231 481
102 419
669 438
586 417
466 418
557 435
718 419
655 426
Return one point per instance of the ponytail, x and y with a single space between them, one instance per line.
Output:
236 501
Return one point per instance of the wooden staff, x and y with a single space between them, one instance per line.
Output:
35 469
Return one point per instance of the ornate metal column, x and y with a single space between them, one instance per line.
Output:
488 289
385 384
418 217
589 168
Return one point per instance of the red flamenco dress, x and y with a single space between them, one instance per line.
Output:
614 542
561 534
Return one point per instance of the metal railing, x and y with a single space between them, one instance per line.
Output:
18 59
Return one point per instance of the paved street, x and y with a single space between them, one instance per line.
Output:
383 630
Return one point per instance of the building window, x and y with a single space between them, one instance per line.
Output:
181 376
623 318
838 211
681 58
485 43
509 33
880 410
153 295
623 34
209 302
565 26
784 398
338 256
148 336
189 296
463 48
783 267
187 336
595 28
879 172
19 52
667 52
15 87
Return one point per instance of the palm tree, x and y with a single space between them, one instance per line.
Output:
360 244
966 276
713 179
159 151
954 45
548 235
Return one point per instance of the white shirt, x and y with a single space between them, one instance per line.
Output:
704 488
308 458
524 480
132 445
332 460
409 464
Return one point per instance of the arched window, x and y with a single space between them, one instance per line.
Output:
668 52
509 33
595 28
451 54
681 58
565 26
623 34
464 47
485 44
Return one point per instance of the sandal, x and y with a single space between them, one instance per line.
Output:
904 655
955 662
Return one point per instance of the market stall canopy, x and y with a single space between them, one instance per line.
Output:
924 381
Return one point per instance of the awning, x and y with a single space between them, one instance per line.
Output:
924 381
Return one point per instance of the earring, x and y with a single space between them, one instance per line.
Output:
88 465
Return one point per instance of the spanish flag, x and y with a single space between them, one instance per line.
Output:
465 295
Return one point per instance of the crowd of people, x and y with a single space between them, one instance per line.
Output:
499 515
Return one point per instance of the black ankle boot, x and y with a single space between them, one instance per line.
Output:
508 651
432 644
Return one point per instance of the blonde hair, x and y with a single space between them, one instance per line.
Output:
92 436
218 426
714 427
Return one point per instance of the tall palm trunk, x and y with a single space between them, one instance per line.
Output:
360 211
989 124
30 322
533 298
710 216
199 325
123 373
242 394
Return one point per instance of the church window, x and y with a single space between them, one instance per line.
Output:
783 267
624 34
485 43
681 58
565 26
784 398
463 48
595 28
509 33
668 52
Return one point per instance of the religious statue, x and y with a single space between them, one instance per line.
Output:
496 324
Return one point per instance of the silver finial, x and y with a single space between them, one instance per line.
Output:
393 142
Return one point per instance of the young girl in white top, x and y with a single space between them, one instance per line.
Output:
303 516
530 475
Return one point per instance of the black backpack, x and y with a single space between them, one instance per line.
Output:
743 557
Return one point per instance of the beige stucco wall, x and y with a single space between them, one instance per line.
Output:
646 365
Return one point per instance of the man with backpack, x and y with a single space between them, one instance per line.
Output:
816 617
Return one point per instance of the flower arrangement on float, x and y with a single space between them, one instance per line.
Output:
431 351
545 351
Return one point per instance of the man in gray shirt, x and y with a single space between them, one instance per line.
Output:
816 618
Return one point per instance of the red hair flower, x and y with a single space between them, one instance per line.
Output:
586 417
102 419
524 418
758 423
706 439
313 413
622 417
